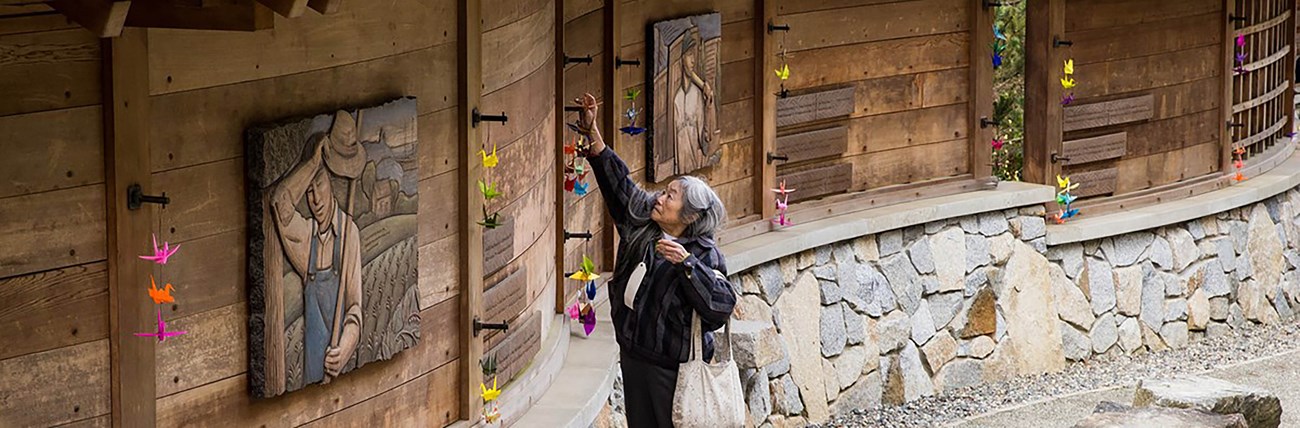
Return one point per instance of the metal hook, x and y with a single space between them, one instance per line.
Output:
1057 42
135 197
479 326
619 62
772 157
773 27
479 117
577 59
577 235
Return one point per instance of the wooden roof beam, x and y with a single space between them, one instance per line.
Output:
325 7
105 18
286 8
239 15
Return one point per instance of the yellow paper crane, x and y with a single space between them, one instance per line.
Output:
489 161
1067 83
1064 184
1069 66
587 272
490 394
783 73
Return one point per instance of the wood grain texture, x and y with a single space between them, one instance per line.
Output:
226 111
206 200
845 26
1127 13
67 61
518 49
55 387
1094 149
1151 38
1133 74
913 164
212 349
440 263
239 15
49 230
53 309
817 181
1096 182
52 150
885 58
1108 113
814 107
429 400
181 60
40 18
209 273
808 145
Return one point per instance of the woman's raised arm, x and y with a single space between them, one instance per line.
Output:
619 192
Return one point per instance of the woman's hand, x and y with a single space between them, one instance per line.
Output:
671 251
587 121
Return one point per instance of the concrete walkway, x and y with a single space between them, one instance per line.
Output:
1279 374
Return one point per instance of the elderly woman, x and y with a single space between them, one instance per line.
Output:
668 266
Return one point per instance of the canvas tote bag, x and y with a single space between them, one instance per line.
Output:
708 395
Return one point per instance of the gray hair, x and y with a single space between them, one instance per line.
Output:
702 209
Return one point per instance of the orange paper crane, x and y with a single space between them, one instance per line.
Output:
160 296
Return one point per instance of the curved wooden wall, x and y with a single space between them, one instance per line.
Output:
519 257
206 88
903 93
584 26
53 270
1166 124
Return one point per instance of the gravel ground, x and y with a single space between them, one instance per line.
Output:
1098 372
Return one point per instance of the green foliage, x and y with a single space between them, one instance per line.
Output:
1009 87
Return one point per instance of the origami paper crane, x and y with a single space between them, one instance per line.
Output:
588 317
632 129
160 296
997 143
590 290
489 161
489 191
575 310
1069 67
491 414
1290 134
1066 100
1065 199
997 33
1065 214
570 181
997 60
1241 58
489 394
1065 185
489 365
783 73
631 94
1241 40
782 220
1067 82
781 190
586 272
160 255
490 221
580 188
162 333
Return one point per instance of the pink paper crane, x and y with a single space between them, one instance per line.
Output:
162 333
781 206
160 255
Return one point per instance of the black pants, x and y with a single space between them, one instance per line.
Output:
647 392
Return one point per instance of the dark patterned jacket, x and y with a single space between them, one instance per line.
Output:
658 329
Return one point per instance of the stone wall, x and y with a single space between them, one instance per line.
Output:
904 314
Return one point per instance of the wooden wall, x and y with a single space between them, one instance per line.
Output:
878 95
732 178
206 88
53 272
519 78
1131 127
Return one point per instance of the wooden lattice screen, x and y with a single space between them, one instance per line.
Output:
1261 113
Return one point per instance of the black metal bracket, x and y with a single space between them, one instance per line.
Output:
985 122
479 326
480 117
1235 18
577 235
1058 158
1057 42
771 157
1236 125
771 27
575 109
135 197
577 59
988 4
619 62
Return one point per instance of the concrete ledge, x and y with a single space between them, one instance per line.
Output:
1281 178
753 251
574 395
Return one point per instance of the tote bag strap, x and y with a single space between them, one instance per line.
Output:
697 337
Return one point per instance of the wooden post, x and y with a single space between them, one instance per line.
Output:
126 162
609 80
470 80
557 170
981 89
1288 97
1044 21
1227 56
765 88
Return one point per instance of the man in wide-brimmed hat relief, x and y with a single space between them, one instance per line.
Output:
692 108
324 250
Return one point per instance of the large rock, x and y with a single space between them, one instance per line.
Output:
916 382
1032 227
922 324
848 365
1198 310
752 308
802 334
1101 286
943 307
865 289
959 374
1104 333
854 331
1227 255
1260 408
756 344
1114 415
865 248
992 223
825 272
843 252
1073 306
831 292
977 252
981 316
833 333
949 247
785 396
894 329
939 351
1174 334
1184 247
1070 256
904 281
1000 247
1128 290
1126 249
864 394
1161 254
1266 262
1130 335
1254 303
1216 281
771 281
1153 299
890 242
922 258
1031 312
758 394
1075 345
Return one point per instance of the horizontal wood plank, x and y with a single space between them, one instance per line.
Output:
818 181
68 65
1107 113
813 107
51 230
53 309
844 26
518 49
1092 149
808 145
842 64
55 387
214 347
439 267
1096 182
52 150
206 200
430 400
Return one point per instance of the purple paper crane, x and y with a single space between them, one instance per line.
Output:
588 317
162 333
160 255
